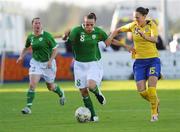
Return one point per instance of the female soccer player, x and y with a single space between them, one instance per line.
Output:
88 70
146 67
42 64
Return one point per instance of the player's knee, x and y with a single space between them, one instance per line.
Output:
91 84
141 89
141 85
152 81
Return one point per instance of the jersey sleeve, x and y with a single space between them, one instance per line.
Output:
51 41
28 42
103 35
127 28
72 35
154 30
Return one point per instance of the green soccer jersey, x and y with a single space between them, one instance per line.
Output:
42 46
85 45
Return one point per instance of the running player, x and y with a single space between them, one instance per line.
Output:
146 67
42 64
88 70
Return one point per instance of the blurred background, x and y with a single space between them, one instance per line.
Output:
59 15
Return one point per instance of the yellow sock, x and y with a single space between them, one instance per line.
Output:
153 100
145 95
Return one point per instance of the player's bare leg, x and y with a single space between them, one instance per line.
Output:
34 79
55 88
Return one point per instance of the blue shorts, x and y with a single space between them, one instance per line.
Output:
143 68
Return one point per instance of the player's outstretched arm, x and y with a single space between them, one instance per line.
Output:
23 53
129 48
54 54
109 40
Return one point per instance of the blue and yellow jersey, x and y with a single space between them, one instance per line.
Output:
144 48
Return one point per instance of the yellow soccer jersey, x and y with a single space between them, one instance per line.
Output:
144 49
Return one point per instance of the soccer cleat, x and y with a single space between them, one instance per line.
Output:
62 99
101 98
154 118
95 119
26 110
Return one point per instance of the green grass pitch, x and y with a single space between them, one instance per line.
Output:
125 110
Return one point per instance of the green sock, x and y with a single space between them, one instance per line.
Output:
88 103
95 90
30 97
58 91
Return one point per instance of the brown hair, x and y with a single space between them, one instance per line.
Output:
142 10
34 19
91 15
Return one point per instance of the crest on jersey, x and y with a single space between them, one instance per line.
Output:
93 36
40 39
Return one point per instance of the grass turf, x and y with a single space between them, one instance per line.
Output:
125 110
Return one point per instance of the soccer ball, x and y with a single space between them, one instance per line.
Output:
83 114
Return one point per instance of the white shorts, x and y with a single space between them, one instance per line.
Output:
40 68
84 71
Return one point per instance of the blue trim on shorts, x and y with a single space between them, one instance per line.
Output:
143 68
